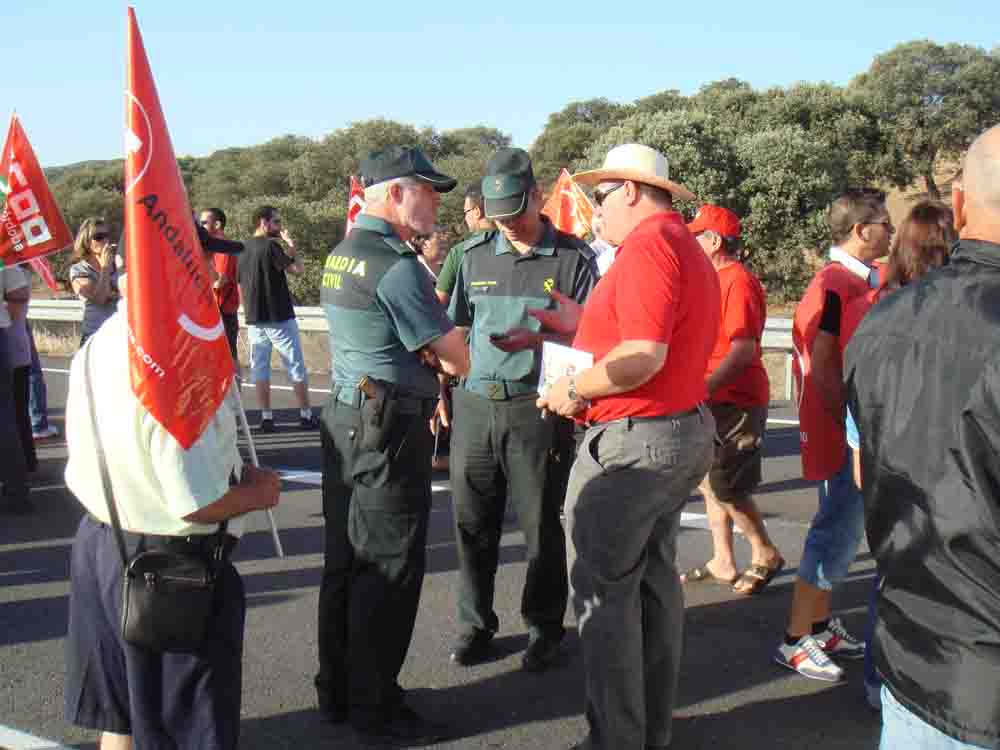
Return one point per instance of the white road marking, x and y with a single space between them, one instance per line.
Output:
786 422
12 739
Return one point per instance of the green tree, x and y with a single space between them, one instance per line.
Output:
570 132
932 100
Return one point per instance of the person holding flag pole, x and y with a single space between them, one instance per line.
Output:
161 464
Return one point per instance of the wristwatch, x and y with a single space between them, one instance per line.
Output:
571 391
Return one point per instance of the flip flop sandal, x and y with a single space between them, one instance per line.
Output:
701 574
756 578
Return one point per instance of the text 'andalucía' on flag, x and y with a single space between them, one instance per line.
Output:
31 225
569 208
179 361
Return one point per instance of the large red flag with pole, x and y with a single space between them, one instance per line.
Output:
31 225
569 207
179 360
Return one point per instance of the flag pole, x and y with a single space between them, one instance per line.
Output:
279 550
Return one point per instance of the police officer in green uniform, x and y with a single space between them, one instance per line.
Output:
389 337
502 447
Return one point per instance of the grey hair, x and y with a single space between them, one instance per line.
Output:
379 192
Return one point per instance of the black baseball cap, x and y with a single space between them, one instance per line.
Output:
403 161
509 178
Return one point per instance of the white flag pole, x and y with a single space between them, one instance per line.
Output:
256 462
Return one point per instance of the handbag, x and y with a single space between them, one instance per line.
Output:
168 593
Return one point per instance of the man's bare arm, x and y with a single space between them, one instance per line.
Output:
258 490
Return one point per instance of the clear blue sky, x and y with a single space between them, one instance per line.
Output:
239 73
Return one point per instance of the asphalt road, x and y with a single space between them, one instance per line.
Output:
732 695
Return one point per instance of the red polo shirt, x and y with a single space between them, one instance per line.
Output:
228 294
744 311
661 288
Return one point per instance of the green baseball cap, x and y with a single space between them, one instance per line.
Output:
403 161
507 183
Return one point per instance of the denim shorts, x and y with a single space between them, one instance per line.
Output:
282 336
835 532
901 728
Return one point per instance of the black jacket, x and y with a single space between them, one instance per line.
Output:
923 376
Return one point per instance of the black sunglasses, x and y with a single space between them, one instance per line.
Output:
602 195
100 236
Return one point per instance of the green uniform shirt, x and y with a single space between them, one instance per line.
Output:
449 271
495 288
381 309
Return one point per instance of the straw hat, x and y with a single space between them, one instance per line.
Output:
638 163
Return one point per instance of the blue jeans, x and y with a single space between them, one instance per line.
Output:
835 532
38 402
904 730
282 336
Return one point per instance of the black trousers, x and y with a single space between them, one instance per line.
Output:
13 468
231 322
501 450
376 505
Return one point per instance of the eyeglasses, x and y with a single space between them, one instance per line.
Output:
100 236
205 222
602 195
470 210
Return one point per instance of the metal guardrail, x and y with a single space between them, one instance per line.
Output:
777 331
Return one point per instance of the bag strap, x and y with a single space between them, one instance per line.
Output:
102 462
109 496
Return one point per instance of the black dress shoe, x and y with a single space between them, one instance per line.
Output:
541 654
404 728
472 648
266 426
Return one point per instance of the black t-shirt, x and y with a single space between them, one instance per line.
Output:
266 298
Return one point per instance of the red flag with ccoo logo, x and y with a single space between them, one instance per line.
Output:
569 207
31 225
355 204
179 360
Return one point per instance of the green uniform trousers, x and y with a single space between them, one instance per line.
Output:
501 450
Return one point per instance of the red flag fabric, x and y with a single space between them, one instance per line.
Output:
355 204
569 207
43 269
179 361
31 225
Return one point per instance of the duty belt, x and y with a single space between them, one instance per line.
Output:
500 390
350 395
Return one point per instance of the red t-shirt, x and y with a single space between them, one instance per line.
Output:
661 288
228 294
822 442
744 310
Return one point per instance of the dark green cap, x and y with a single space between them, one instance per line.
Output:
402 161
507 183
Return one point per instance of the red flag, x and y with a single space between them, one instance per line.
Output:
569 207
179 360
355 204
43 269
31 225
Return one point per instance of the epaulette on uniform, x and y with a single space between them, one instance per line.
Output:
475 240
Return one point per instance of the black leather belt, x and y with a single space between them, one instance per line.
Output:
200 544
351 396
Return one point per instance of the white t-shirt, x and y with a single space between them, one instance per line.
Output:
156 482
605 252
11 278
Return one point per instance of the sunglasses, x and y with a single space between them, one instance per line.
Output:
100 236
602 195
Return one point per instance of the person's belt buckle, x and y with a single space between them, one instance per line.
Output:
495 391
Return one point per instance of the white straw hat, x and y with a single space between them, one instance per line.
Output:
633 161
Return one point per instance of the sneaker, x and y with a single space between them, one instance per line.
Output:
49 432
309 423
472 648
541 654
266 425
836 641
807 658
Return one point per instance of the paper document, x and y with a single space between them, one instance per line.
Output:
558 361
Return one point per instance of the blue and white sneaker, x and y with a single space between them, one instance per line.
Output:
806 656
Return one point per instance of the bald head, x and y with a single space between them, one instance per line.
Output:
981 176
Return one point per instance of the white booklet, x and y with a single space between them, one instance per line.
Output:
559 361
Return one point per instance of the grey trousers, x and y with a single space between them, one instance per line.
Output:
626 490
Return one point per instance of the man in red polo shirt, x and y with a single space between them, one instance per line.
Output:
226 285
650 323
738 395
861 229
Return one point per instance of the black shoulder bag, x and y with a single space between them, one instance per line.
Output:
168 596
